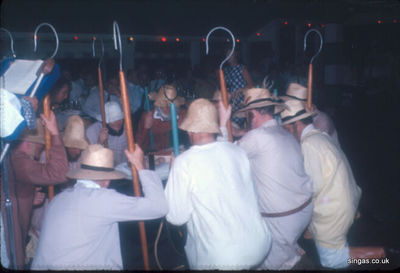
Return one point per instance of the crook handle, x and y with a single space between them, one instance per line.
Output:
165 94
233 43
320 39
35 38
11 39
117 38
102 50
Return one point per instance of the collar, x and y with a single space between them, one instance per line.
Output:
269 123
306 130
159 114
88 184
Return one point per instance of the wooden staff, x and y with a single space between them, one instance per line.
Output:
309 86
46 112
225 101
310 66
102 108
131 142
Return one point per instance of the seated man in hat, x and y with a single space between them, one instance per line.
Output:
114 134
80 228
25 173
210 188
159 120
284 189
336 194
320 119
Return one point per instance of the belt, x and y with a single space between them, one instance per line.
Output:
289 212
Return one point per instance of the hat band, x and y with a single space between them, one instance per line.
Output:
93 168
259 100
295 115
294 97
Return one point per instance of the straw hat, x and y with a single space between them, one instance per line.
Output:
113 112
34 135
257 98
295 110
201 118
161 101
74 134
295 91
97 164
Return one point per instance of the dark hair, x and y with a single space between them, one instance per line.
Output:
266 110
59 84
307 120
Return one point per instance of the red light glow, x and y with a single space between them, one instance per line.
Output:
285 22
204 39
177 39
379 21
309 24
258 34
75 37
237 40
163 39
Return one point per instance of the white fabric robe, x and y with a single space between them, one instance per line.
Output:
210 189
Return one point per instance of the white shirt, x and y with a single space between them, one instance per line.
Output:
116 143
210 189
80 228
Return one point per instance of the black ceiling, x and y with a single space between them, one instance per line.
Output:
181 17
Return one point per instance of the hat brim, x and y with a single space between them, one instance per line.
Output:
76 143
241 113
34 139
299 117
286 98
95 175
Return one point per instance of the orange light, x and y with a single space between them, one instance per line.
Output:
204 39
163 39
309 24
178 40
285 22
75 37
258 33
379 21
237 40
131 39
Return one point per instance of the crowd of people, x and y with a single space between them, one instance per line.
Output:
245 203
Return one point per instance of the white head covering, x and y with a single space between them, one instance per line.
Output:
113 112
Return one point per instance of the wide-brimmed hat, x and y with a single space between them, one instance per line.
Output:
257 98
34 135
161 101
295 110
97 164
113 112
201 117
74 135
295 91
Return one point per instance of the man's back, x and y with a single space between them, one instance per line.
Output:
277 164
210 187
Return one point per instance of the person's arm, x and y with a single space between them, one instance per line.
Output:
54 171
115 206
143 131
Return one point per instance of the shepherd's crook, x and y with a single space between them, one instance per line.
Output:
11 41
310 66
46 112
101 90
129 135
222 83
